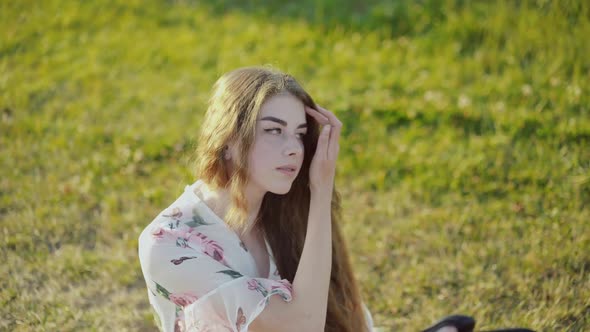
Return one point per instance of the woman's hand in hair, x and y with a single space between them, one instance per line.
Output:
323 165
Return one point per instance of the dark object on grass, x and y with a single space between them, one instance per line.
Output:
460 322
466 324
514 329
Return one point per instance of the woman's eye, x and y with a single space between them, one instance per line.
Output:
278 130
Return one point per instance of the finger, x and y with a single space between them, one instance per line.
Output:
331 117
333 142
322 148
320 118
333 145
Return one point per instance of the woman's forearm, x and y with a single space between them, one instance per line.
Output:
307 310
312 279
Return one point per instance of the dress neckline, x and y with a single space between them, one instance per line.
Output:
191 190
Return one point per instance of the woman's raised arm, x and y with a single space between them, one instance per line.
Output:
308 308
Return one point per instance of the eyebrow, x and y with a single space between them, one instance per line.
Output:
282 122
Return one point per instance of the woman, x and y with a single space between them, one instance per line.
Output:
262 219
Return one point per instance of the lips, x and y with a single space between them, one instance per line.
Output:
287 169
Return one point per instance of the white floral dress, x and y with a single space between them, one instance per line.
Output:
198 273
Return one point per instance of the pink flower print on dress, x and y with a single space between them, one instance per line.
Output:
255 285
183 232
241 320
179 322
252 284
210 247
158 232
183 299
162 234
187 237
165 230
283 285
283 288
175 214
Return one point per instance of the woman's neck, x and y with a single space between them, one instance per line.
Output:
219 201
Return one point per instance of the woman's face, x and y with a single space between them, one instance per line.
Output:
277 153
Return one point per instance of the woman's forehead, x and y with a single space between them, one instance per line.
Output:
285 107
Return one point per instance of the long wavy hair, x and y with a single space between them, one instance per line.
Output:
231 117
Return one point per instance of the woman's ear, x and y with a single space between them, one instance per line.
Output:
226 153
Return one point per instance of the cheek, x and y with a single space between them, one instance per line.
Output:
261 154
268 144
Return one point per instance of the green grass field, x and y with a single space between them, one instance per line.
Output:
464 167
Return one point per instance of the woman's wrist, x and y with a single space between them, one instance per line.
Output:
320 209
321 195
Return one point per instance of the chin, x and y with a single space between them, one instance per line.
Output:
281 190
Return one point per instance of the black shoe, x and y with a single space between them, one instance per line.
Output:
460 322
515 329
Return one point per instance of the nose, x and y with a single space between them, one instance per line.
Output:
293 147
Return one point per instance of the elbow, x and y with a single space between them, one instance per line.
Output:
302 321
312 322
308 327
318 327
289 317
290 326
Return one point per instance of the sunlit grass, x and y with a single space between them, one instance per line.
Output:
464 165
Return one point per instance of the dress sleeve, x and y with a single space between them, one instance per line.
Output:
368 317
189 269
